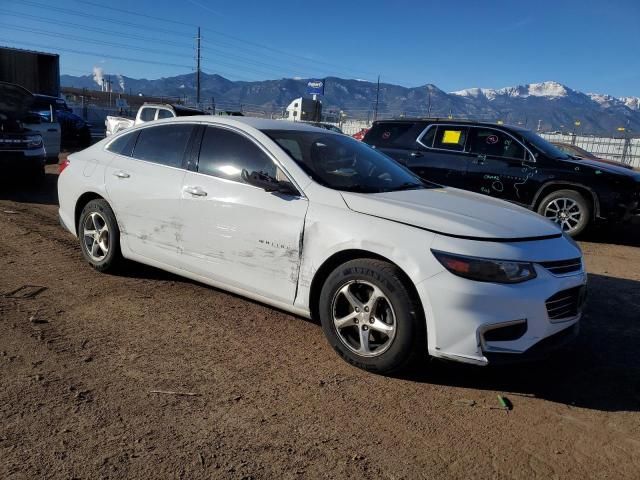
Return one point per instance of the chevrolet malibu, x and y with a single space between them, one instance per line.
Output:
323 226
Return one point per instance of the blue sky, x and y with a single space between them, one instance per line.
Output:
591 46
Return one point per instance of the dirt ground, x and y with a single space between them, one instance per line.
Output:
81 359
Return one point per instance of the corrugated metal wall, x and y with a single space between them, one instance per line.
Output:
37 72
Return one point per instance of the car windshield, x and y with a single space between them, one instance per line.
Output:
342 163
543 146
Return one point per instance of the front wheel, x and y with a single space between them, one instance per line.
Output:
371 317
99 235
567 208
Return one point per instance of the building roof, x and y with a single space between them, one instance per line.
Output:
2 47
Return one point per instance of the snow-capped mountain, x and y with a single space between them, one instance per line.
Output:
544 89
551 104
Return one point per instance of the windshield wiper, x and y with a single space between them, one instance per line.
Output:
409 186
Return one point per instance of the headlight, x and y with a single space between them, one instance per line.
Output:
34 141
485 269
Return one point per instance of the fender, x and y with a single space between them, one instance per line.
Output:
594 195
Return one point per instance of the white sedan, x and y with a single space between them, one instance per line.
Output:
324 226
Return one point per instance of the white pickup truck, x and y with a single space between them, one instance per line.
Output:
147 113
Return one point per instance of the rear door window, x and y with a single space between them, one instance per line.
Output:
163 144
394 134
148 114
450 137
494 143
123 145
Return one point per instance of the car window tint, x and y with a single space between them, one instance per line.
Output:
225 154
123 145
148 114
495 143
450 137
164 144
164 114
394 134
427 138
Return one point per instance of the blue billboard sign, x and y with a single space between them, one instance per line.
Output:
315 87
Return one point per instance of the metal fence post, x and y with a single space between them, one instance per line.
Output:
625 150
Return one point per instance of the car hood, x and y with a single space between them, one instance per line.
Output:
454 212
610 166
15 101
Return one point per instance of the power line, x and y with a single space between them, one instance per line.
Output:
173 32
122 10
98 17
95 29
97 54
89 40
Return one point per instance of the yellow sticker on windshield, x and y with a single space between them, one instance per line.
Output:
451 136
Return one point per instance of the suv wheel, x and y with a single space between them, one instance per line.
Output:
567 208
370 317
99 235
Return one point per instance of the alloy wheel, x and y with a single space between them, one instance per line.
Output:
96 236
566 212
363 318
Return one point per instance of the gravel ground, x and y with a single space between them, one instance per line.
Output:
82 358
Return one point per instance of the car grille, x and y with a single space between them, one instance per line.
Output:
565 304
563 266
12 143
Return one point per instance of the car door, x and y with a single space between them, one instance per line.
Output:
235 233
397 139
501 166
444 158
48 127
144 183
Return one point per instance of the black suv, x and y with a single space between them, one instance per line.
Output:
513 164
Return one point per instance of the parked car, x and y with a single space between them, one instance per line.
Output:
147 113
326 126
360 134
75 131
321 225
577 153
513 164
21 148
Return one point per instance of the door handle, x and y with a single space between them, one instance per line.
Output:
196 191
121 174
480 159
415 154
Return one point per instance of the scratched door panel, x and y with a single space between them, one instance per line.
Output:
243 236
499 166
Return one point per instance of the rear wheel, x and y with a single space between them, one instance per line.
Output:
370 316
567 208
99 235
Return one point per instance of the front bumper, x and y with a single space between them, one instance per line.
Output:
459 313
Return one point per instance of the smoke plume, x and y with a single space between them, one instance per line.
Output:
98 76
121 82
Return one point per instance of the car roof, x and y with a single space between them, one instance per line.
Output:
257 123
451 120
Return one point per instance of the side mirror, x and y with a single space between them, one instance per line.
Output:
268 183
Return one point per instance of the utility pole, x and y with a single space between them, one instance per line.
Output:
198 70
375 112
429 107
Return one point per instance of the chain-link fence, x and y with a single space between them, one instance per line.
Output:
625 150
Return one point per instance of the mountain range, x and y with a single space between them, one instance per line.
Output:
549 105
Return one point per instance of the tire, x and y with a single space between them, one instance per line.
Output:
567 208
102 249
395 334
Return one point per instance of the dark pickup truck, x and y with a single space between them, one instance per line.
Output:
513 164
